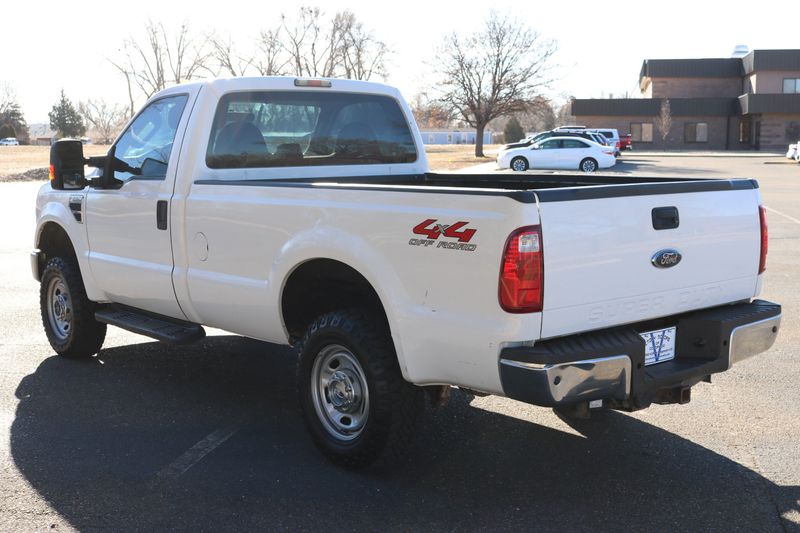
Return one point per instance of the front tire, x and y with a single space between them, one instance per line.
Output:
67 314
588 165
519 164
355 402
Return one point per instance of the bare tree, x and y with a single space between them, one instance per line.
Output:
129 83
105 118
341 46
312 50
362 55
161 59
493 73
664 122
271 59
7 95
540 116
430 113
564 115
227 58
307 44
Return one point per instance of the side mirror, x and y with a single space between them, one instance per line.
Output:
66 165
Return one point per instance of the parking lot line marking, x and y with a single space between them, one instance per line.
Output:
784 215
196 453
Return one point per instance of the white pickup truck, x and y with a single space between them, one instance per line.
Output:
302 212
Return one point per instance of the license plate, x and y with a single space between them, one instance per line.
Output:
659 345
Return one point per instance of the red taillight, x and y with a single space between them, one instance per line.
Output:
762 215
52 174
522 272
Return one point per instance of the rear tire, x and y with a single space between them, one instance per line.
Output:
355 402
588 165
67 314
519 164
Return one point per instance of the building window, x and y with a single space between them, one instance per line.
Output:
744 130
791 85
792 132
696 132
642 132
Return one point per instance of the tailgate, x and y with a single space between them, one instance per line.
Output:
598 255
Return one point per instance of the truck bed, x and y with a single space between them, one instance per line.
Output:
527 188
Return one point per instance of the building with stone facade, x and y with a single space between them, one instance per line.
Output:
738 103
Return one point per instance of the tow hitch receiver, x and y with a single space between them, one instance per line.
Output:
679 395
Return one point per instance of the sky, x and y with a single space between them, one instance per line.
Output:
601 44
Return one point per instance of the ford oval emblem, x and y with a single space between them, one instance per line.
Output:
666 258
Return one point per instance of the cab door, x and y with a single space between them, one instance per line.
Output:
130 250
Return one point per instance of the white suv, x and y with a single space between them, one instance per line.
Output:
613 138
9 141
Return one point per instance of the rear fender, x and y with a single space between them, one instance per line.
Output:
357 253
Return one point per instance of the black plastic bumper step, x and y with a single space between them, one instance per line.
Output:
159 327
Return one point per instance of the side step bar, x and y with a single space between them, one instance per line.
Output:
159 327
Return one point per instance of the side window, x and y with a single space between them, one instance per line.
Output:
574 143
147 143
308 128
550 145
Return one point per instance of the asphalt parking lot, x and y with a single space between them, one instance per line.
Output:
208 437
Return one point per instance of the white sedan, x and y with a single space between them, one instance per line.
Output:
565 153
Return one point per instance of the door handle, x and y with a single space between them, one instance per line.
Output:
666 218
161 214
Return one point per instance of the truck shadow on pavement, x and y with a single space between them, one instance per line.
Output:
92 437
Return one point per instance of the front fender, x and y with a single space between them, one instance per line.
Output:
52 208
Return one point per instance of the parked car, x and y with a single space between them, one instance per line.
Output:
599 139
558 132
592 135
613 137
332 235
625 142
606 138
563 152
9 141
792 152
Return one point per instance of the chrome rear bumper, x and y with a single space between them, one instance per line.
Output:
609 364
591 379
752 339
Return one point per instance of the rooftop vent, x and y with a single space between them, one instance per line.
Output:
740 50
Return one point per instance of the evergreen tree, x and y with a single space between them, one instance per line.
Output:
513 131
7 130
65 119
12 122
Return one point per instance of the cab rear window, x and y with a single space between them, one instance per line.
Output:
281 129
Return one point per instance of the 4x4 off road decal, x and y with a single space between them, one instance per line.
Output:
430 229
